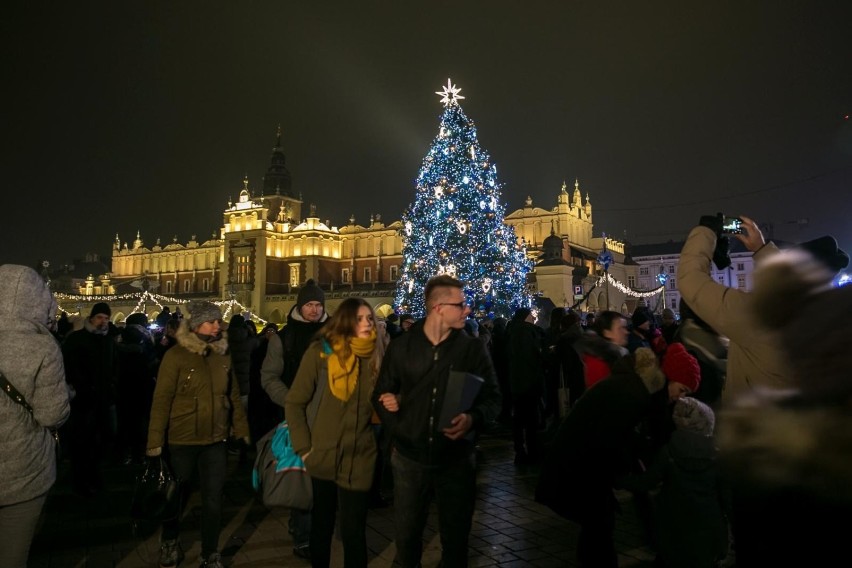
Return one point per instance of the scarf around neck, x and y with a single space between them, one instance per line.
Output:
342 370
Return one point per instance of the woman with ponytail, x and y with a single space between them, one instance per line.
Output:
335 380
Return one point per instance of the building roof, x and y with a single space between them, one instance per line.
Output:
674 247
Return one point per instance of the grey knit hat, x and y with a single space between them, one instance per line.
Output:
310 292
692 414
200 312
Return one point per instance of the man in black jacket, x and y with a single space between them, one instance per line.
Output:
428 458
91 368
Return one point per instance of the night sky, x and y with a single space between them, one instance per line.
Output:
146 115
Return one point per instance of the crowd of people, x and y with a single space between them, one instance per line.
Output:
728 425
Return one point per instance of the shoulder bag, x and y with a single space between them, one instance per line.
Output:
16 396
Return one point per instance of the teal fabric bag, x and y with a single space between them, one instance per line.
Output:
282 449
279 475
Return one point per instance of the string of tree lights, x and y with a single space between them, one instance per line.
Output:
455 224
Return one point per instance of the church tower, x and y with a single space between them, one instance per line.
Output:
277 190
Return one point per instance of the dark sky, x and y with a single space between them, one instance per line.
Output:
146 115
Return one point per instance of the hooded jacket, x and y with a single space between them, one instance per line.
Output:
197 398
31 360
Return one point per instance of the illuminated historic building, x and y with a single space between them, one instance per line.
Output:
266 248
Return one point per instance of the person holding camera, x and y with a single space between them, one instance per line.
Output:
754 357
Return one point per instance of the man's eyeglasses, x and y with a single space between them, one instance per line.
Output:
459 305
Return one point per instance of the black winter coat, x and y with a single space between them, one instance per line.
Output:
597 442
91 366
417 372
241 345
526 363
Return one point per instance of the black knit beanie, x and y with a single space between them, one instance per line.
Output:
310 292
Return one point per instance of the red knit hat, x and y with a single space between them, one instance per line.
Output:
681 367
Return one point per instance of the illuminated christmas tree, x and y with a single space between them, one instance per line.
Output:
455 224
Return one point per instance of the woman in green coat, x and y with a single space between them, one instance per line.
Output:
196 404
333 433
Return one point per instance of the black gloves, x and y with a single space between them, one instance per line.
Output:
712 222
720 253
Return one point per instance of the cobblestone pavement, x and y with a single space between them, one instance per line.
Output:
509 528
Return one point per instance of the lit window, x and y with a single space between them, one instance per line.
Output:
368 275
294 274
344 276
672 285
671 269
631 281
169 287
394 273
242 268
643 271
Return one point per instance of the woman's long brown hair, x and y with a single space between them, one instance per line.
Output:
342 325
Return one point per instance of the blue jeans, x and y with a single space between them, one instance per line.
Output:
211 462
454 488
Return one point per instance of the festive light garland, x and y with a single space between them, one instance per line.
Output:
626 290
158 299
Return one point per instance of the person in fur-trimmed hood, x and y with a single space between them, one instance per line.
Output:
595 445
789 454
197 401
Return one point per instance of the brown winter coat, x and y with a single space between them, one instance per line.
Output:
341 441
197 399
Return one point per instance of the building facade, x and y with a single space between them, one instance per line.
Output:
654 260
266 247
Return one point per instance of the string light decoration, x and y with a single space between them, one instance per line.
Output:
146 296
630 291
455 224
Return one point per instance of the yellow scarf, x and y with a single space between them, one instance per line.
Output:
343 373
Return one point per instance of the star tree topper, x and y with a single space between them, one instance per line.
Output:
450 94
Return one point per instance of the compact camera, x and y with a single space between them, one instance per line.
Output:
732 226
